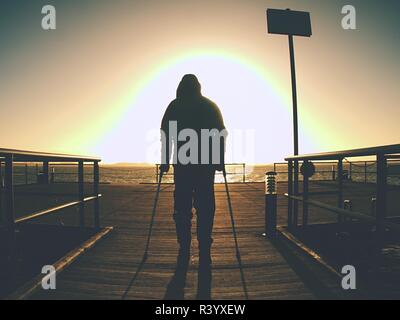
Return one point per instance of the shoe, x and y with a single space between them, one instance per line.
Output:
204 272
176 286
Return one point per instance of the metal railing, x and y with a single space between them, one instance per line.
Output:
32 173
11 158
360 171
382 155
227 165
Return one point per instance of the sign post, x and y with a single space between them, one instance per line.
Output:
291 23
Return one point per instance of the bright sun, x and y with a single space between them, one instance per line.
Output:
258 121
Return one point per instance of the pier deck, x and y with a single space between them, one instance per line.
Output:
105 271
273 269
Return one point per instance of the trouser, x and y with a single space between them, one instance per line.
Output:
194 187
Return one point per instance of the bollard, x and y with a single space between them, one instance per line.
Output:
373 206
347 205
342 232
270 204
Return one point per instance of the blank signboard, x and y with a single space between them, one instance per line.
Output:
296 23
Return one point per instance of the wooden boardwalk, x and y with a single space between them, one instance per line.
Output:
105 271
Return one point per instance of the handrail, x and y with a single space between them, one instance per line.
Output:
25 155
11 156
382 154
337 155
55 209
343 212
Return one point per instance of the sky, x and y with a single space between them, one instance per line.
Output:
99 83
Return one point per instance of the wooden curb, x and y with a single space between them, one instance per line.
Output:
29 288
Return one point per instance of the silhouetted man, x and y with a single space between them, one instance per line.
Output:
192 127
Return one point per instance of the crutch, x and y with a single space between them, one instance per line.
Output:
145 255
239 259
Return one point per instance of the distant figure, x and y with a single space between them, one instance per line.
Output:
194 171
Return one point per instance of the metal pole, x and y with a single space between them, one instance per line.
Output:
26 173
294 97
81 194
365 172
238 257
46 171
351 171
37 173
244 172
146 250
295 125
9 194
340 187
305 198
381 191
296 192
1 174
290 193
9 222
333 173
96 181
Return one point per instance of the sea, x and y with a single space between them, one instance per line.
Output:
144 174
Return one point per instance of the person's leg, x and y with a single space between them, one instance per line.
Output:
183 202
204 202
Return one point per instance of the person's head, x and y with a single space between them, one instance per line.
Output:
188 87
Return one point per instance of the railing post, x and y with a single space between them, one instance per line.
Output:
9 194
1 174
350 171
46 171
244 172
305 197
365 172
290 193
81 194
340 187
381 191
53 175
9 222
333 173
26 173
296 192
96 179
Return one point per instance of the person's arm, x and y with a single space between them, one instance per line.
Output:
166 144
221 127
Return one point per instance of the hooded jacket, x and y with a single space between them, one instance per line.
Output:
191 110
